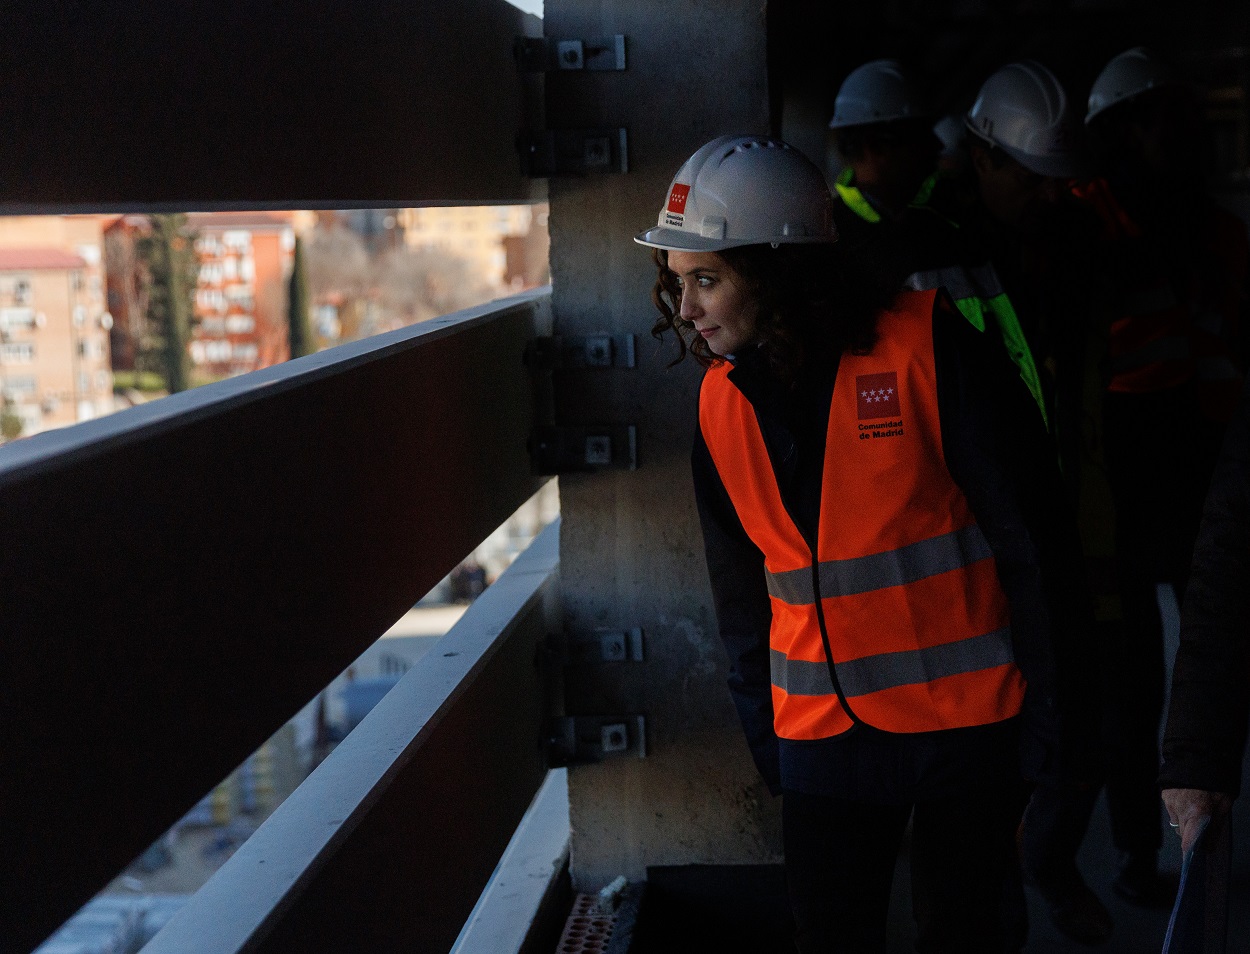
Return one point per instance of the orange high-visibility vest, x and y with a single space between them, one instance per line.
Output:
1163 336
903 581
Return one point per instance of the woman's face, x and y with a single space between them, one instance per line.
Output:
715 300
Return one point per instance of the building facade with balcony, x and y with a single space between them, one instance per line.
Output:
54 329
241 295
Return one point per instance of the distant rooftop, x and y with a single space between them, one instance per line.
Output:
239 220
24 259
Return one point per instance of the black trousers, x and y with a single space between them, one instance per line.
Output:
1160 455
840 859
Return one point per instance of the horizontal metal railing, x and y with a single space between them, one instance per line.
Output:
230 104
391 840
180 578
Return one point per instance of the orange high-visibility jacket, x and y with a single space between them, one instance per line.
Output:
903 586
1178 326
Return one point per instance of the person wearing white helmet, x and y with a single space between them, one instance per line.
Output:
889 559
884 134
1175 266
892 207
1024 142
1025 145
1143 117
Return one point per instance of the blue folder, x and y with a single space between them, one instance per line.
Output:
1199 922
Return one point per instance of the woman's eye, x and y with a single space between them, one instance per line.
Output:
705 281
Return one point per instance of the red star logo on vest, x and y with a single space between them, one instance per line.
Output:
677 198
876 395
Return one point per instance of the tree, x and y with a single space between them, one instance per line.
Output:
130 337
168 254
299 330
10 424
416 284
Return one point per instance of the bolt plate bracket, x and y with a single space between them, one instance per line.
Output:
567 450
597 647
546 55
591 351
580 740
573 152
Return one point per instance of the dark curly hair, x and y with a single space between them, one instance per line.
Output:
814 304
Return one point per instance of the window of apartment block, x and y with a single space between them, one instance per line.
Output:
91 348
240 324
12 319
32 417
20 352
22 292
15 387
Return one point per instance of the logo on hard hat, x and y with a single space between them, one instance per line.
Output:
677 198
876 395
674 212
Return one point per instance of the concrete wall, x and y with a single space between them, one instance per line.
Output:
631 552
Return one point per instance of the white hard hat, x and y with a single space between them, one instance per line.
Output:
952 133
1127 75
877 92
743 190
1023 110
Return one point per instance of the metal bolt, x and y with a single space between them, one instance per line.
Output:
599 450
614 737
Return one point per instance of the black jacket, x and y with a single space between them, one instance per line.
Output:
1206 728
998 453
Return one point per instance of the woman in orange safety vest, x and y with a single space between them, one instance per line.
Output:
888 554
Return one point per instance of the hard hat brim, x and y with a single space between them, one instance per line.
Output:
675 240
679 241
1060 166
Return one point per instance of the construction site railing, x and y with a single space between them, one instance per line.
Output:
182 577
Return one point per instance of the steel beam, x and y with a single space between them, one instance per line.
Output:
228 104
182 577
388 844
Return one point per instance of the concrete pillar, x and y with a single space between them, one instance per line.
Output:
631 552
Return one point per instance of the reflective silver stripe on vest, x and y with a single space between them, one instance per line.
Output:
876 571
1217 368
1211 322
980 282
1175 348
859 677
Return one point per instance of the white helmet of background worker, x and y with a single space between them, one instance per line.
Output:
877 92
1023 110
743 190
1130 74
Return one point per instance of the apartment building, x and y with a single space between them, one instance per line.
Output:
54 329
241 298
506 245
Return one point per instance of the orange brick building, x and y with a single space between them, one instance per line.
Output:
241 299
